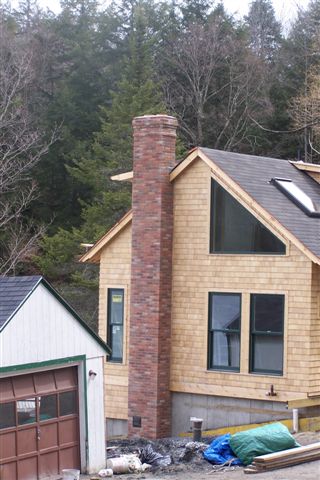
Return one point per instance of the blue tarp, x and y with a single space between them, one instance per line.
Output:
219 451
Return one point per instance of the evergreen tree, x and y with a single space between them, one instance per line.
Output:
264 30
137 93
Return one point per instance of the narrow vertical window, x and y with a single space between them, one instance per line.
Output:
266 332
224 331
115 323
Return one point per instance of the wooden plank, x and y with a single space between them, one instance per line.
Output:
303 402
287 453
122 177
289 461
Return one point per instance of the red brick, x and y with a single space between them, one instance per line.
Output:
150 310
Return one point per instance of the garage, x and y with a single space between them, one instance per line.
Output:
51 384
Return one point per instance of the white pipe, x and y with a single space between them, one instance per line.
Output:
295 420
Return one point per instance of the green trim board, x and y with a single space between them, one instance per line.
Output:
67 307
46 363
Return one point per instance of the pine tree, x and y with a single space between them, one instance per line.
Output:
263 29
137 93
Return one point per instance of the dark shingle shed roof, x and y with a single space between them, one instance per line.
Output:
253 174
14 291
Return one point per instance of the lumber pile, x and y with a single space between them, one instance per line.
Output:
285 458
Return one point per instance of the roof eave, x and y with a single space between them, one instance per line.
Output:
94 253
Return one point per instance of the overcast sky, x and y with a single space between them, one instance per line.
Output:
285 9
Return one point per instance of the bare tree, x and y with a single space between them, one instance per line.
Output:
305 112
212 84
21 147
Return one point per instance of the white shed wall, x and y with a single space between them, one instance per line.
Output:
44 330
96 418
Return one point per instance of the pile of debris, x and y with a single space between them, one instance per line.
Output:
139 455
256 450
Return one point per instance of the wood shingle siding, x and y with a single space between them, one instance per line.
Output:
115 271
196 273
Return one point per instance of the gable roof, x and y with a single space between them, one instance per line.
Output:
15 291
93 254
252 174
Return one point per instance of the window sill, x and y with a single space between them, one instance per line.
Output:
247 374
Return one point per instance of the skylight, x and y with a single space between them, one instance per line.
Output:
298 196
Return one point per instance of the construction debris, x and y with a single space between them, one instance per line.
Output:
285 458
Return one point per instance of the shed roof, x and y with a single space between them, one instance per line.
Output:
15 291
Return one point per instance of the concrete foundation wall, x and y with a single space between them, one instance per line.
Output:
219 412
116 428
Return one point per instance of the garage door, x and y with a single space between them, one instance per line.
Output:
39 424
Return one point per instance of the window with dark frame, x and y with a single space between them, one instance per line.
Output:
266 333
115 323
234 230
224 331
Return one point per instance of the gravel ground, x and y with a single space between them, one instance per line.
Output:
196 468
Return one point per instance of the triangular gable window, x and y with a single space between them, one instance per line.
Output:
235 230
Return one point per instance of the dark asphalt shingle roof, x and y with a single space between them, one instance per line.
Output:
13 292
253 175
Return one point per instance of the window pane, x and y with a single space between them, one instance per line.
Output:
226 350
116 311
48 407
115 322
298 196
7 415
267 353
225 312
117 335
268 312
235 230
26 410
68 403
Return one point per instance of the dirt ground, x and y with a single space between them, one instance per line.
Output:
196 468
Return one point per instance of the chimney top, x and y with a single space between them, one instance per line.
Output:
155 120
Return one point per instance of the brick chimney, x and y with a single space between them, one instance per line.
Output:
150 314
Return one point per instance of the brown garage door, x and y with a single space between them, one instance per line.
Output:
39 424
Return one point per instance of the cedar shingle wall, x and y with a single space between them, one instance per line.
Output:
195 273
315 332
115 267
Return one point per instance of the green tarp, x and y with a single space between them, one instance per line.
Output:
260 441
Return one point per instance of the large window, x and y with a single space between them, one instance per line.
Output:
235 230
224 331
115 323
266 331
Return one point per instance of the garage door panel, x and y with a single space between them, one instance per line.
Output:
68 430
6 390
44 382
48 464
23 386
39 424
8 471
28 468
48 436
66 378
27 441
8 446
69 457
